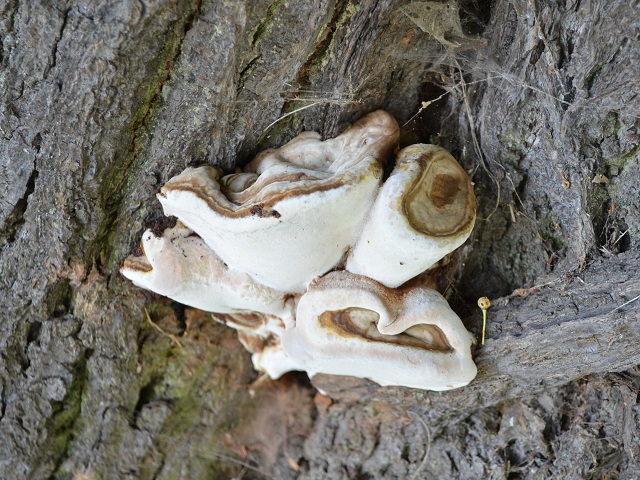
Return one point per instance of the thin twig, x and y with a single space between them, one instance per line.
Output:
476 145
290 113
229 458
623 234
167 334
426 455
425 105
626 303
428 103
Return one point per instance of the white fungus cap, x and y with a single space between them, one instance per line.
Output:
295 211
273 361
351 325
179 265
424 211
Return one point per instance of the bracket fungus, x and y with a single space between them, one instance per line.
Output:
304 194
308 254
347 324
424 211
179 265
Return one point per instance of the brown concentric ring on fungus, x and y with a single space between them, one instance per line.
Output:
441 202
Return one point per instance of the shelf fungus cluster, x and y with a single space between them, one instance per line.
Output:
314 259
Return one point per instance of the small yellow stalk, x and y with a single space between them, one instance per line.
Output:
484 305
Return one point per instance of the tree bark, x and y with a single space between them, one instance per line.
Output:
103 102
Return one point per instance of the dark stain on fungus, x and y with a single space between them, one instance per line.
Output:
262 212
445 189
159 226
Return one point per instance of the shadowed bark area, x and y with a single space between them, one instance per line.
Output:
103 102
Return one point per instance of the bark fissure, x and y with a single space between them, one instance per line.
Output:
56 42
15 219
112 188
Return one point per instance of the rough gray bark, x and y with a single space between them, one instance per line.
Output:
102 102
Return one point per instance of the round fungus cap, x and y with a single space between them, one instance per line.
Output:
424 211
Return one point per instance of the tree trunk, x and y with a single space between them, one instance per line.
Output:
103 102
